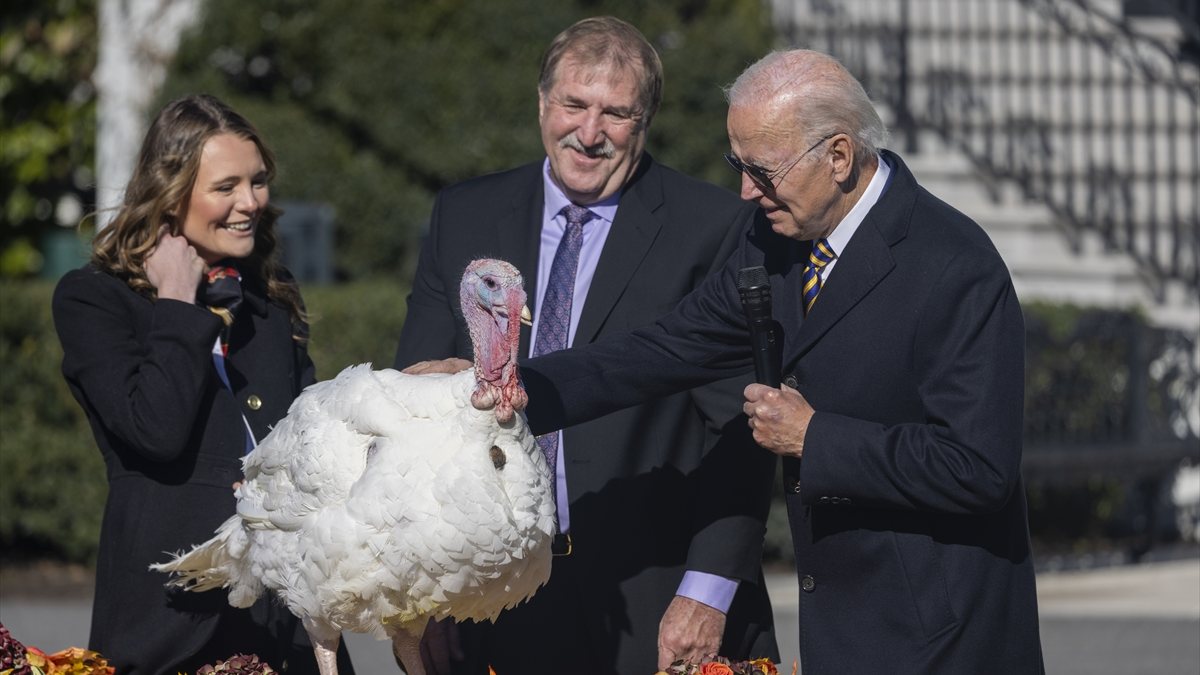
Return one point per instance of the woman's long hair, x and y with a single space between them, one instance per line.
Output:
159 191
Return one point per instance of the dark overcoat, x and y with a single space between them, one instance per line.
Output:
907 510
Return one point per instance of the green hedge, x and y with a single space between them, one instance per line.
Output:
52 483
354 323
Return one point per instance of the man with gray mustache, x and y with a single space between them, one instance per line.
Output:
606 149
662 507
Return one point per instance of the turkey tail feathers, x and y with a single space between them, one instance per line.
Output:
216 564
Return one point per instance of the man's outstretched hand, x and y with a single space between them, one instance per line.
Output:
449 366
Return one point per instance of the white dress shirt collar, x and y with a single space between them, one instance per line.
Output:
849 224
555 199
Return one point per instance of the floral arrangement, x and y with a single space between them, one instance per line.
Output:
238 664
723 666
17 659
13 658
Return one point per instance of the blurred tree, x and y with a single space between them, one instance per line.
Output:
375 105
47 122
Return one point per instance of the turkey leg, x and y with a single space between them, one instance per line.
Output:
326 653
407 648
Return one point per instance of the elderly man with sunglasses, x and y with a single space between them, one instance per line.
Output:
900 417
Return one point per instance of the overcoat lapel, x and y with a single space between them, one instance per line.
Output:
865 262
633 232
867 258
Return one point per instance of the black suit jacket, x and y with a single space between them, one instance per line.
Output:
172 438
654 489
907 509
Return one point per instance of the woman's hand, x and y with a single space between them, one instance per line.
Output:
174 268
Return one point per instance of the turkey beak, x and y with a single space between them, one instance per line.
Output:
526 316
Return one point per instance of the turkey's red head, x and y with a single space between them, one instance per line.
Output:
492 295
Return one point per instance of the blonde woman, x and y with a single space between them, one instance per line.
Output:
184 341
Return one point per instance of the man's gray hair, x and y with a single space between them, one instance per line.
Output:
823 97
607 40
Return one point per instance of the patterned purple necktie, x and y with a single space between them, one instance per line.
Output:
554 325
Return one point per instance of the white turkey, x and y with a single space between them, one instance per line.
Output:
383 500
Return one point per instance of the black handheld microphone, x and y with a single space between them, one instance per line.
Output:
755 291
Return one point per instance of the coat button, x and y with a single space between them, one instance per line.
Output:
254 402
793 486
823 500
791 381
808 583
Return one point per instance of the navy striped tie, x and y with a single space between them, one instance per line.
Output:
821 256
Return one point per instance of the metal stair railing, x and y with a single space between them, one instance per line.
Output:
1085 114
1101 125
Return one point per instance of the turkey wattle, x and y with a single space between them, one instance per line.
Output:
383 500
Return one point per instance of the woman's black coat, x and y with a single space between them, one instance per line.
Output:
172 438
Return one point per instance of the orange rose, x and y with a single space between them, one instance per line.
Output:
714 668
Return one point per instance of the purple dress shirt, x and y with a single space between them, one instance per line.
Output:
711 589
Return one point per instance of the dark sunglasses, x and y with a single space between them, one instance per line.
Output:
767 180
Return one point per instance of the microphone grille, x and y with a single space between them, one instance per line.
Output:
751 277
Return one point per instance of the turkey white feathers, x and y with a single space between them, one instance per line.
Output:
383 499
